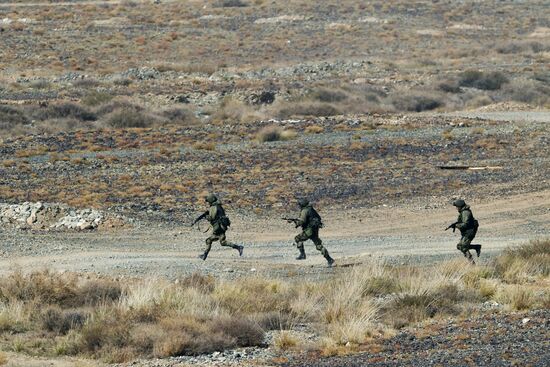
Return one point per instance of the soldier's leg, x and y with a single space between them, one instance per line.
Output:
299 240
464 247
208 246
224 242
319 246
470 235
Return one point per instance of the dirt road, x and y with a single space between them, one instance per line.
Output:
396 234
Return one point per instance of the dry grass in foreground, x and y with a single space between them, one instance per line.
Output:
49 314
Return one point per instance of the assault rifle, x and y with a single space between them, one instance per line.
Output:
453 226
199 218
291 220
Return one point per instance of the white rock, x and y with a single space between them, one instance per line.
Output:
525 320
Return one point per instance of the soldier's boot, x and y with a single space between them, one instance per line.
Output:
470 257
240 249
330 260
478 249
302 255
204 255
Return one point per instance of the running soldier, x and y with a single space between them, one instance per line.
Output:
220 224
468 226
310 221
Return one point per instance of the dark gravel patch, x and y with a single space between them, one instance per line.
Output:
517 339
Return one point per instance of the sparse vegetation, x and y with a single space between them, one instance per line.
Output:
201 314
483 80
274 133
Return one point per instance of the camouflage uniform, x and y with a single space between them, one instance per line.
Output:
467 225
220 223
310 221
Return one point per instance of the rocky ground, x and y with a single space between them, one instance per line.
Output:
492 339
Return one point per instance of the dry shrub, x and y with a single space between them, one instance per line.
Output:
347 311
203 145
314 129
415 101
189 336
180 116
95 292
285 341
287 110
11 116
527 91
274 320
482 80
245 332
129 118
233 110
96 98
203 283
56 320
64 124
44 287
479 101
328 95
105 329
63 110
3 359
86 83
14 317
425 293
229 4
117 104
274 133
449 86
517 297
515 47
530 260
378 286
256 295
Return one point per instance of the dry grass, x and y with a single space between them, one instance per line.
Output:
44 313
274 133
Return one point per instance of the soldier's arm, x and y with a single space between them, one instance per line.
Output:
200 217
465 218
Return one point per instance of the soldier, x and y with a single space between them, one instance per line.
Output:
310 221
468 228
220 223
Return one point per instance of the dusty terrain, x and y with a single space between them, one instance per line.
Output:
136 109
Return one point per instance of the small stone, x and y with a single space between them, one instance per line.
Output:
525 320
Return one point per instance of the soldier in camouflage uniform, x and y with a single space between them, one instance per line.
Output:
468 226
220 223
310 221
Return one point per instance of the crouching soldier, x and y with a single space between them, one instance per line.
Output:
468 228
310 221
220 223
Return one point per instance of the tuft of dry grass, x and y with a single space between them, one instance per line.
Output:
285 341
274 133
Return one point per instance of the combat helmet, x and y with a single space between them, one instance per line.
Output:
459 203
210 198
303 202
